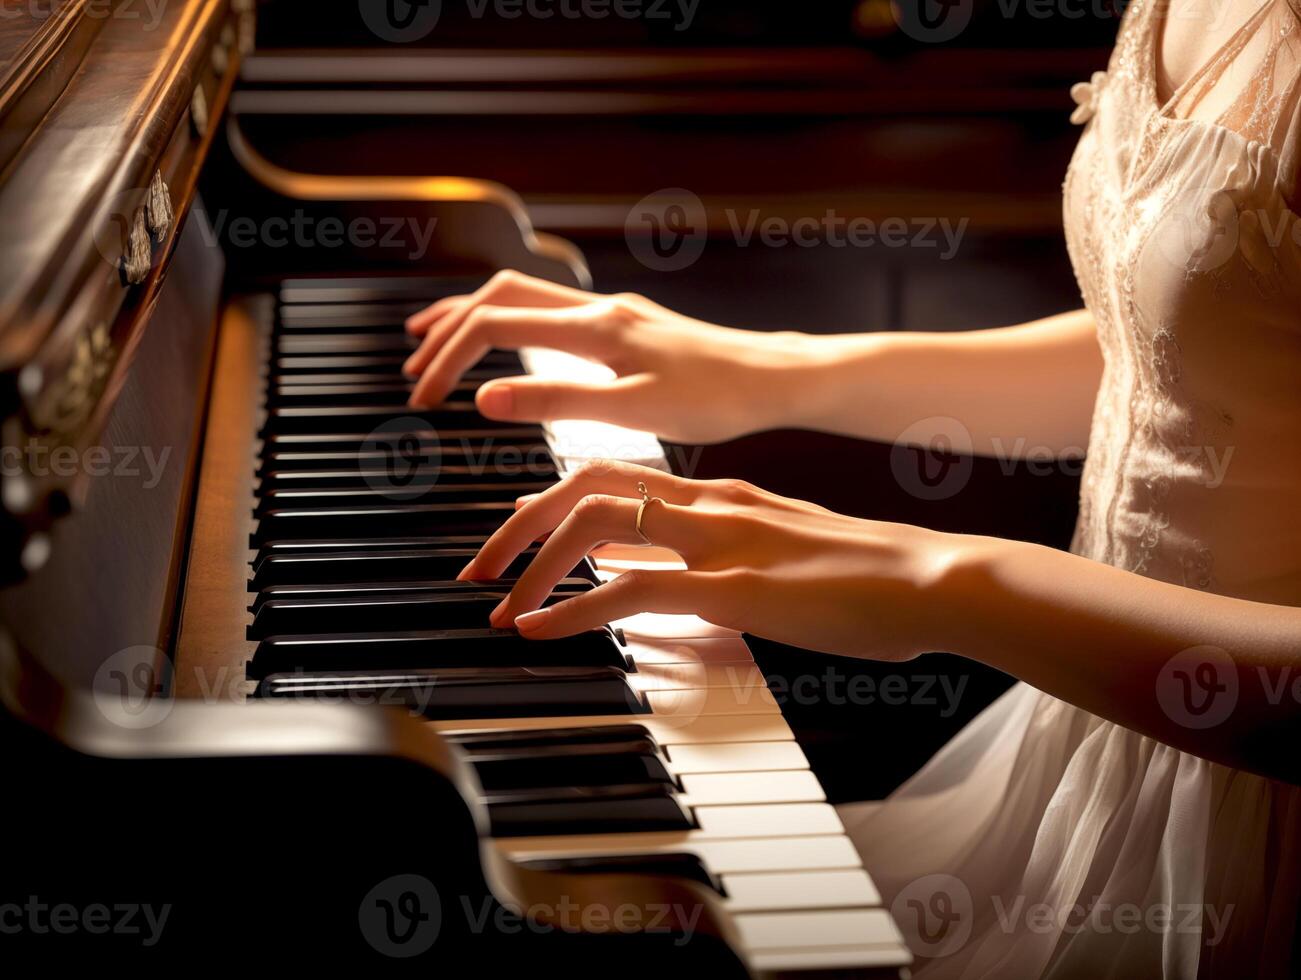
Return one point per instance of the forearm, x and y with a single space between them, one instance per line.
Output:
1017 391
1143 653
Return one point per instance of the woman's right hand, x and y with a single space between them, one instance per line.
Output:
683 379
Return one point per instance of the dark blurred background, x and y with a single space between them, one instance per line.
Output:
949 120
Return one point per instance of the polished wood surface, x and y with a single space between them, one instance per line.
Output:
70 322
211 648
111 569
41 48
92 159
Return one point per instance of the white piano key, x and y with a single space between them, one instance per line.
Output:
768 820
765 892
758 854
718 788
675 650
823 929
736 757
779 861
610 563
670 626
843 959
665 729
574 441
756 821
676 677
621 557
693 702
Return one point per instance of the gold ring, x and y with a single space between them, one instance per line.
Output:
646 498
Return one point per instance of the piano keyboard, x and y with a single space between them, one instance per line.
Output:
650 746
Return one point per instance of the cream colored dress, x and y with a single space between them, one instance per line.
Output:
1044 841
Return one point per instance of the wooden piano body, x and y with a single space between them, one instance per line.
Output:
135 335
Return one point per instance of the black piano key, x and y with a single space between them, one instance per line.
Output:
671 865
614 761
398 489
422 290
393 421
308 380
508 457
462 544
316 344
377 565
387 365
373 590
430 649
362 317
374 393
375 365
318 545
475 444
476 692
361 477
288 390
458 549
381 520
391 343
302 545
512 738
391 611
635 808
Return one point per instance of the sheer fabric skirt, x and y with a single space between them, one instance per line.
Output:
1044 841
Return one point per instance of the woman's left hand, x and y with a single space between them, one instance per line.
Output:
756 562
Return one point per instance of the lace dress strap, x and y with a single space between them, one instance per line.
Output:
1252 86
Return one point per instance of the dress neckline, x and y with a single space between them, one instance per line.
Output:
1156 24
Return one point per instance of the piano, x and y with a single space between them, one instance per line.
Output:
238 679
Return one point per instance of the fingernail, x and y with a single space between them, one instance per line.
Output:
495 401
409 368
463 575
531 621
521 501
494 617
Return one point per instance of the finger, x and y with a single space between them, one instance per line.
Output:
418 324
595 521
658 591
501 327
545 512
436 335
506 288
540 400
599 520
